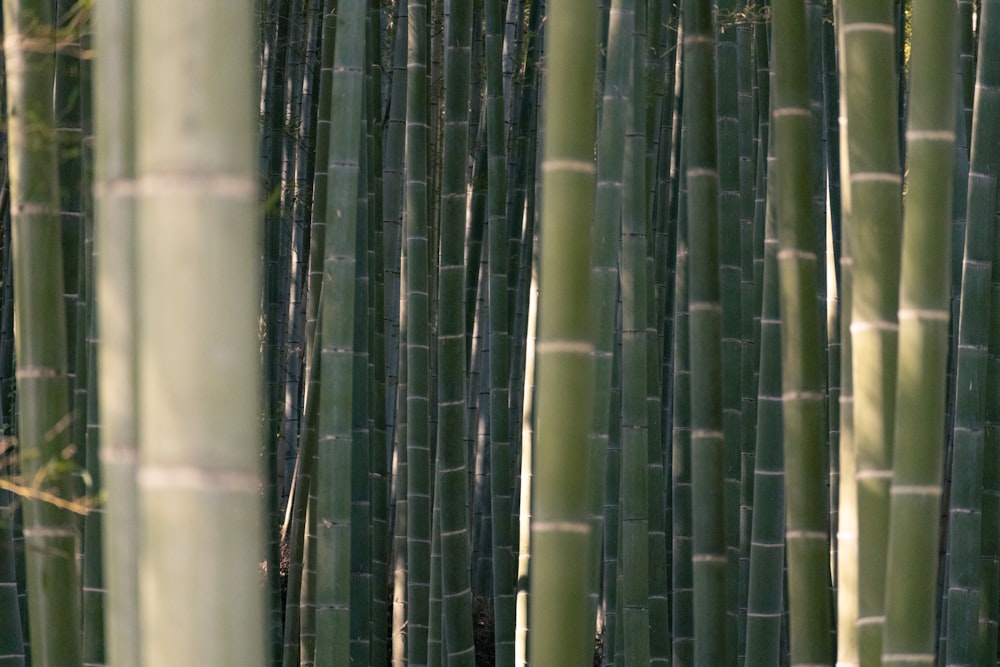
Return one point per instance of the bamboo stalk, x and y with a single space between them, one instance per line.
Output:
199 473
871 203
911 567
801 359
707 442
51 534
560 619
115 285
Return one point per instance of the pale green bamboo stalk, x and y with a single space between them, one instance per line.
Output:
561 628
51 533
924 313
872 220
335 475
801 358
199 473
707 442
116 307
846 528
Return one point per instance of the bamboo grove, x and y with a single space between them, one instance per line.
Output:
500 332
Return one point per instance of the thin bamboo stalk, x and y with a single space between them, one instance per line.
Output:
338 391
966 525
51 533
115 285
504 565
604 281
707 441
415 222
765 601
682 587
453 464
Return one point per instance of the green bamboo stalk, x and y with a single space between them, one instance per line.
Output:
300 159
399 574
415 221
765 600
561 628
605 465
15 634
727 128
633 558
435 633
872 219
11 640
378 466
50 533
361 573
115 284
504 566
522 599
452 456
66 99
85 394
199 472
274 293
749 354
990 612
966 524
661 254
846 536
834 301
393 198
846 563
911 567
317 226
707 442
801 377
967 61
338 391
396 419
682 587
299 533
